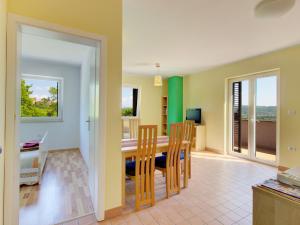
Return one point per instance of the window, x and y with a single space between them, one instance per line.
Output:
41 98
130 100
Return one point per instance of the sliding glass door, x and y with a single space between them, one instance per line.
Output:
253 125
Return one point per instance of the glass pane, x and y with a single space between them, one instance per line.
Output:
265 110
127 98
39 98
245 116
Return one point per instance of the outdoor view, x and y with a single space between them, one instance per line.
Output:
265 101
39 98
265 114
127 98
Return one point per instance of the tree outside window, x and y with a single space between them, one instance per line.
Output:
41 98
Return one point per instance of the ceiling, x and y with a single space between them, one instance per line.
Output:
51 49
193 35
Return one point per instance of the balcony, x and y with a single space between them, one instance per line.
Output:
265 139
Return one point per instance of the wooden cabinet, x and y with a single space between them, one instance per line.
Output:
200 138
272 208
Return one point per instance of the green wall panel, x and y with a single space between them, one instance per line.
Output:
175 100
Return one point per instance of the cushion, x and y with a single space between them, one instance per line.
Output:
130 168
161 161
181 155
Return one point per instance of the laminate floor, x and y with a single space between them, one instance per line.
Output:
63 193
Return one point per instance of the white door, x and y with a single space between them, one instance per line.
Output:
253 117
2 100
91 121
2 122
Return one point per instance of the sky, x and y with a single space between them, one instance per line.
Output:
266 89
126 97
40 87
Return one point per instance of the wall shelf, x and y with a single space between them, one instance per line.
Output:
164 115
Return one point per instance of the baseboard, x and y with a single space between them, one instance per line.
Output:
114 212
214 150
73 219
282 168
64 149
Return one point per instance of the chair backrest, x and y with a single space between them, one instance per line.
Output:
189 127
145 164
173 157
134 127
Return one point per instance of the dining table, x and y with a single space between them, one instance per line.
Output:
129 151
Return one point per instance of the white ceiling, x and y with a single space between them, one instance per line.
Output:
51 49
187 36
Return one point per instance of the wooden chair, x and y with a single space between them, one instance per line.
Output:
142 169
170 164
188 136
134 127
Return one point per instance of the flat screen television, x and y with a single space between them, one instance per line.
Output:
194 114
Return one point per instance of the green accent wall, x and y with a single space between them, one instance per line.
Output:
175 100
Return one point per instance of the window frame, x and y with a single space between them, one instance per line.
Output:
60 81
138 101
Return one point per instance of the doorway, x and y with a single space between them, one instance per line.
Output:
253 118
95 122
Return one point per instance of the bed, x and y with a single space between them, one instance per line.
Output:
33 155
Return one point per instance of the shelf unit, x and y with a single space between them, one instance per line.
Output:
164 115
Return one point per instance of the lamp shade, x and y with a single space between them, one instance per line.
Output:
158 81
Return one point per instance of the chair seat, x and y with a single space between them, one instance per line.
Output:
181 155
161 161
130 168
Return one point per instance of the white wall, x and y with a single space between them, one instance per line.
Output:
65 134
150 98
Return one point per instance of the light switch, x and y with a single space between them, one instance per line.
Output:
292 112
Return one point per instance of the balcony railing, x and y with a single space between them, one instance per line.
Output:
265 136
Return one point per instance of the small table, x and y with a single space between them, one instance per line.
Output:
129 150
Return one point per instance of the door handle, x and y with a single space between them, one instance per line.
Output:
89 124
1 150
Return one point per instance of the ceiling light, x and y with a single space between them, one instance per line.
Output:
157 77
273 8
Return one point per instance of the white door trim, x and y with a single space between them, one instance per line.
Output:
15 23
228 112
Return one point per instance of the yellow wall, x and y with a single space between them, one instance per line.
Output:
206 90
2 95
150 108
103 18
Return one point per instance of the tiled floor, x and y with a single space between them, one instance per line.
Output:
218 193
63 193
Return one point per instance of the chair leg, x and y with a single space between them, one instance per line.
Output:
152 190
137 193
178 179
168 183
190 167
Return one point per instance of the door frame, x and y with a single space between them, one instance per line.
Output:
11 192
228 118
